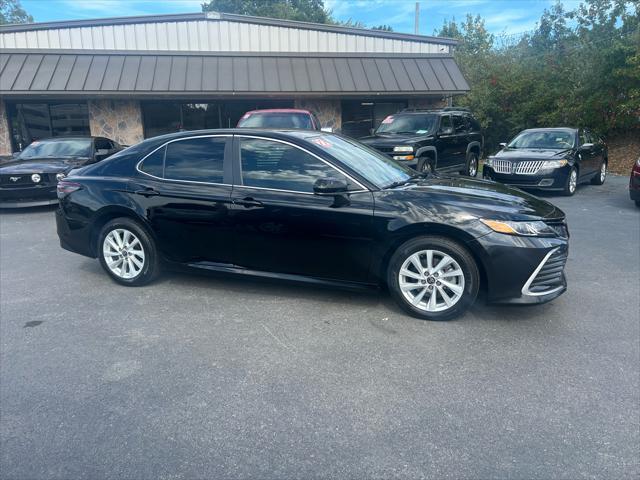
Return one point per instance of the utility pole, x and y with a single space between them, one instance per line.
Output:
417 26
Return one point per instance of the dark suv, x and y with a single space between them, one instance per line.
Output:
447 140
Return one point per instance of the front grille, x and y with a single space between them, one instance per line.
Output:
502 166
550 277
529 167
24 180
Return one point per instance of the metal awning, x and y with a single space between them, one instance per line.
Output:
74 73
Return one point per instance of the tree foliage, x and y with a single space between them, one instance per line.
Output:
11 11
301 10
577 68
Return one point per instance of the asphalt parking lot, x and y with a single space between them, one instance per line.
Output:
200 377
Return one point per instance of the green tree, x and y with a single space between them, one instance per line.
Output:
384 28
301 10
11 11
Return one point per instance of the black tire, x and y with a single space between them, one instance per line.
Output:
151 263
471 165
569 190
425 165
451 248
599 178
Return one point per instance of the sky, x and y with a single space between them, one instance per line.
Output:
502 16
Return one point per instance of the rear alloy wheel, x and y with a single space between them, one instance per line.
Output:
572 182
601 176
127 253
433 278
471 169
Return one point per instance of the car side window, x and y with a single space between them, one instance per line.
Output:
445 122
196 160
154 163
458 124
316 121
278 166
473 124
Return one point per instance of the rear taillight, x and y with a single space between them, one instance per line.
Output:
65 188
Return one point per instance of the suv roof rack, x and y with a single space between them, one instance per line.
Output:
435 110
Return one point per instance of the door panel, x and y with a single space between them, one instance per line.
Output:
190 211
281 226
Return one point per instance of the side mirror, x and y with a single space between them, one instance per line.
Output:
330 186
502 145
446 131
327 129
586 146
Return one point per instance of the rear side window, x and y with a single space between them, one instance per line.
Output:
475 126
154 163
458 124
196 159
279 166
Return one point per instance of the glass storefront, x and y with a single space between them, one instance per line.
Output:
35 121
160 117
360 117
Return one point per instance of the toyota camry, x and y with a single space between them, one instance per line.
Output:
313 207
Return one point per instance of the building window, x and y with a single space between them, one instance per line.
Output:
359 117
35 121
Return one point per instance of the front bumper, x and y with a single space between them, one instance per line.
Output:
30 196
522 270
553 180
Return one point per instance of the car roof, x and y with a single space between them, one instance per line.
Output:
279 110
552 129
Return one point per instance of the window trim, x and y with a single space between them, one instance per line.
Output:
166 144
238 160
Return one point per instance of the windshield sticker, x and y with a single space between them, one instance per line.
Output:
389 119
322 142
419 132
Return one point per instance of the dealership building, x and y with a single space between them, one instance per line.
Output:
136 77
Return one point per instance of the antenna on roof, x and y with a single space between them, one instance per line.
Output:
417 25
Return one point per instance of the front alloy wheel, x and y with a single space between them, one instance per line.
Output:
433 278
572 182
472 165
601 176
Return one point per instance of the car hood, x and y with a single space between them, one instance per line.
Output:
530 154
391 140
42 165
453 199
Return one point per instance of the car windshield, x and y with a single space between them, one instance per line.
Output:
377 168
550 139
77 147
294 120
411 123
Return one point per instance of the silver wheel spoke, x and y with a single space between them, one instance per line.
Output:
418 298
429 260
451 273
410 274
453 287
445 296
410 286
415 260
443 263
433 301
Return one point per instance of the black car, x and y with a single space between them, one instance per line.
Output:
447 140
312 207
30 178
550 159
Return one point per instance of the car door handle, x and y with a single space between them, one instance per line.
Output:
248 202
147 192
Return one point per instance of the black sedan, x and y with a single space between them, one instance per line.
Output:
30 179
550 159
312 207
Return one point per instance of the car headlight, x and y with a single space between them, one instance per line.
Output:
35 178
59 176
530 229
489 162
403 148
553 164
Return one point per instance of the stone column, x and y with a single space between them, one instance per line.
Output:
5 135
119 120
329 112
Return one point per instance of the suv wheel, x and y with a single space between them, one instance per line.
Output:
471 169
127 253
425 165
433 278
